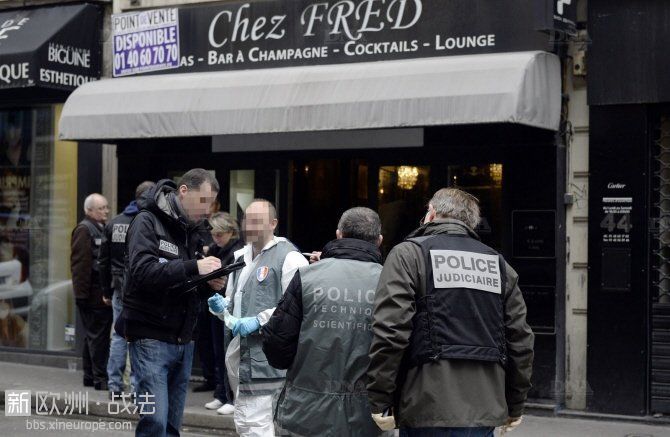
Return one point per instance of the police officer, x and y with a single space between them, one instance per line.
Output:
112 263
95 315
321 333
452 352
254 292
160 308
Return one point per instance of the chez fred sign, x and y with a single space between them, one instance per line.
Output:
278 33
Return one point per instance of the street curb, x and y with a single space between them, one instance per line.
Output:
647 420
102 410
57 361
549 410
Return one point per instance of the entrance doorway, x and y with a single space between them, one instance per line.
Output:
398 189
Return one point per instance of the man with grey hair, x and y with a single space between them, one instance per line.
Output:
452 353
320 332
94 314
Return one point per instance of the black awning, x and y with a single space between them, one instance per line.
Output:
53 47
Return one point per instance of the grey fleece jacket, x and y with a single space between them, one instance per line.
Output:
446 393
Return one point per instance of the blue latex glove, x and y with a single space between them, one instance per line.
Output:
217 303
246 326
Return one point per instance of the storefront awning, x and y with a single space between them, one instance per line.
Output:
522 87
55 47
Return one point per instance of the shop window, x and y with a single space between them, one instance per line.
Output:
37 214
319 191
484 181
241 192
403 192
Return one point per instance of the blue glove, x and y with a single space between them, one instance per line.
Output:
246 326
217 303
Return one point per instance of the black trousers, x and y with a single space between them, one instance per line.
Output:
97 323
204 345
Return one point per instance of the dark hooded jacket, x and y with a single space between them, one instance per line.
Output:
162 257
113 250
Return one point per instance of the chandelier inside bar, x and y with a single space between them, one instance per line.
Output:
407 177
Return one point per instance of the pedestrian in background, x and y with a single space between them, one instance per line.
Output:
112 265
94 313
226 241
204 344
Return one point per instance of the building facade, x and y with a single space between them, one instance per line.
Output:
323 106
382 110
47 49
628 93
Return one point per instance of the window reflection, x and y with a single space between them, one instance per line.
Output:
402 192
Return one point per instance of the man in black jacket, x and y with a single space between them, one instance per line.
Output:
452 353
160 308
112 264
321 333
95 316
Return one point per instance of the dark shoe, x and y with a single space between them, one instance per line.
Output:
88 383
206 386
102 386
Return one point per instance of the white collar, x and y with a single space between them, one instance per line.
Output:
248 251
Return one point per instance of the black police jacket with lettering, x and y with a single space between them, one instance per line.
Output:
162 258
461 316
113 251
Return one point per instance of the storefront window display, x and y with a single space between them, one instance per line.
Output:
35 308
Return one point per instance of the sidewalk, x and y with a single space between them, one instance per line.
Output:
15 376
539 426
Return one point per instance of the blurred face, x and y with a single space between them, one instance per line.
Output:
258 226
221 238
100 210
197 202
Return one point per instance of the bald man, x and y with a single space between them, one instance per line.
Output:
95 315
253 293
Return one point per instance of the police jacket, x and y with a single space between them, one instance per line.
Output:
162 247
453 385
320 332
87 238
113 251
258 295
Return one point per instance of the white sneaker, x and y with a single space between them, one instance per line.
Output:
226 409
214 405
